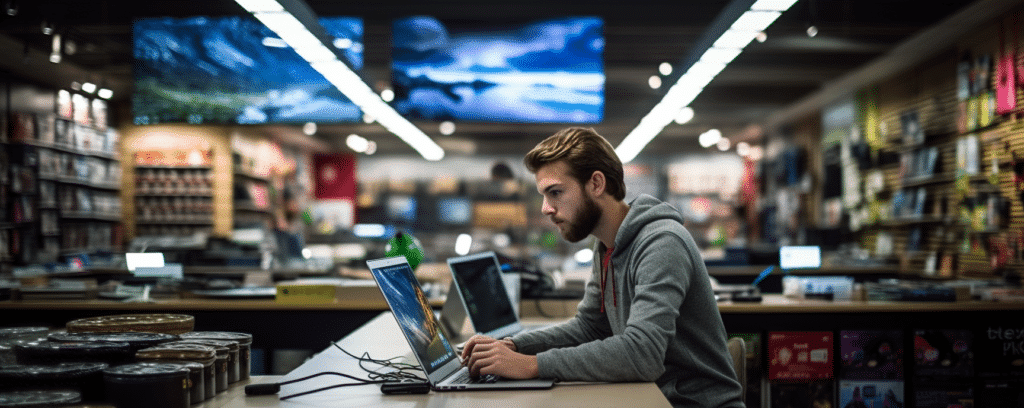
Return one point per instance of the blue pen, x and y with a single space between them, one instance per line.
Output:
763 274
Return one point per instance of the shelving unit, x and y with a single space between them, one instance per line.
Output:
253 196
951 205
173 199
64 178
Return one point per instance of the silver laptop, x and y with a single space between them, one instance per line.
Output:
429 344
478 283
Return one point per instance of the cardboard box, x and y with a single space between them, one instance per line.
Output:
323 291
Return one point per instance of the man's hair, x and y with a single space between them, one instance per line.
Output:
585 152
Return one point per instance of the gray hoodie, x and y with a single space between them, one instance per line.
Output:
662 322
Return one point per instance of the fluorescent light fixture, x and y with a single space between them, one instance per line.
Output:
315 51
260 6
274 42
89 87
105 93
720 55
775 5
745 25
735 39
755 20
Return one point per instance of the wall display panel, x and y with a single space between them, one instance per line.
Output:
234 70
549 71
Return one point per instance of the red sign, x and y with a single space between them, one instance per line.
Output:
799 355
335 176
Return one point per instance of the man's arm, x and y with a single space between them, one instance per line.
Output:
587 325
663 269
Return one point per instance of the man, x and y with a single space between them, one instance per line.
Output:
648 313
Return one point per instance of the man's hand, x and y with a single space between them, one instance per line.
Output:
485 355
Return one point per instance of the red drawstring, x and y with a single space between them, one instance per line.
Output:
606 270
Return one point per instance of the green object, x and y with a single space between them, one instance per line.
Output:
405 245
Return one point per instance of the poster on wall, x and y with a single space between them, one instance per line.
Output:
335 176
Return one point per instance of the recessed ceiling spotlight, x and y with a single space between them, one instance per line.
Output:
723 144
761 37
812 31
665 68
309 129
89 87
685 115
387 95
105 93
654 81
446 128
709 138
743 148
357 143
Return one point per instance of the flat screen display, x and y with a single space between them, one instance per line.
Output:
800 257
454 211
549 71
234 70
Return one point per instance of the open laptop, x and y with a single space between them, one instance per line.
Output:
480 287
429 344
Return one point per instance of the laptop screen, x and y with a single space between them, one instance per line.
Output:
479 281
413 312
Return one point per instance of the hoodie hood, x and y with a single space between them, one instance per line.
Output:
643 210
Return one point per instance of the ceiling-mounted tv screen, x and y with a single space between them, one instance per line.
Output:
234 70
549 71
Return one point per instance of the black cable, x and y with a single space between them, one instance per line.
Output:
361 382
400 375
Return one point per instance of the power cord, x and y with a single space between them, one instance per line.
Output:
401 374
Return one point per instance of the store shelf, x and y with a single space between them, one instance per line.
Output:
83 215
184 194
251 208
251 176
141 221
170 167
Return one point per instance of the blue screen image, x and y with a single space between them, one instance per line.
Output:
550 71
234 70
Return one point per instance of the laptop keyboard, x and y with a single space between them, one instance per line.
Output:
463 377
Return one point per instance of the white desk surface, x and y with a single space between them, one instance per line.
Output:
381 338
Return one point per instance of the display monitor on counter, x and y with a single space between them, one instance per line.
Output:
800 257
234 70
134 260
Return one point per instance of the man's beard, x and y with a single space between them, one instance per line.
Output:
584 223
